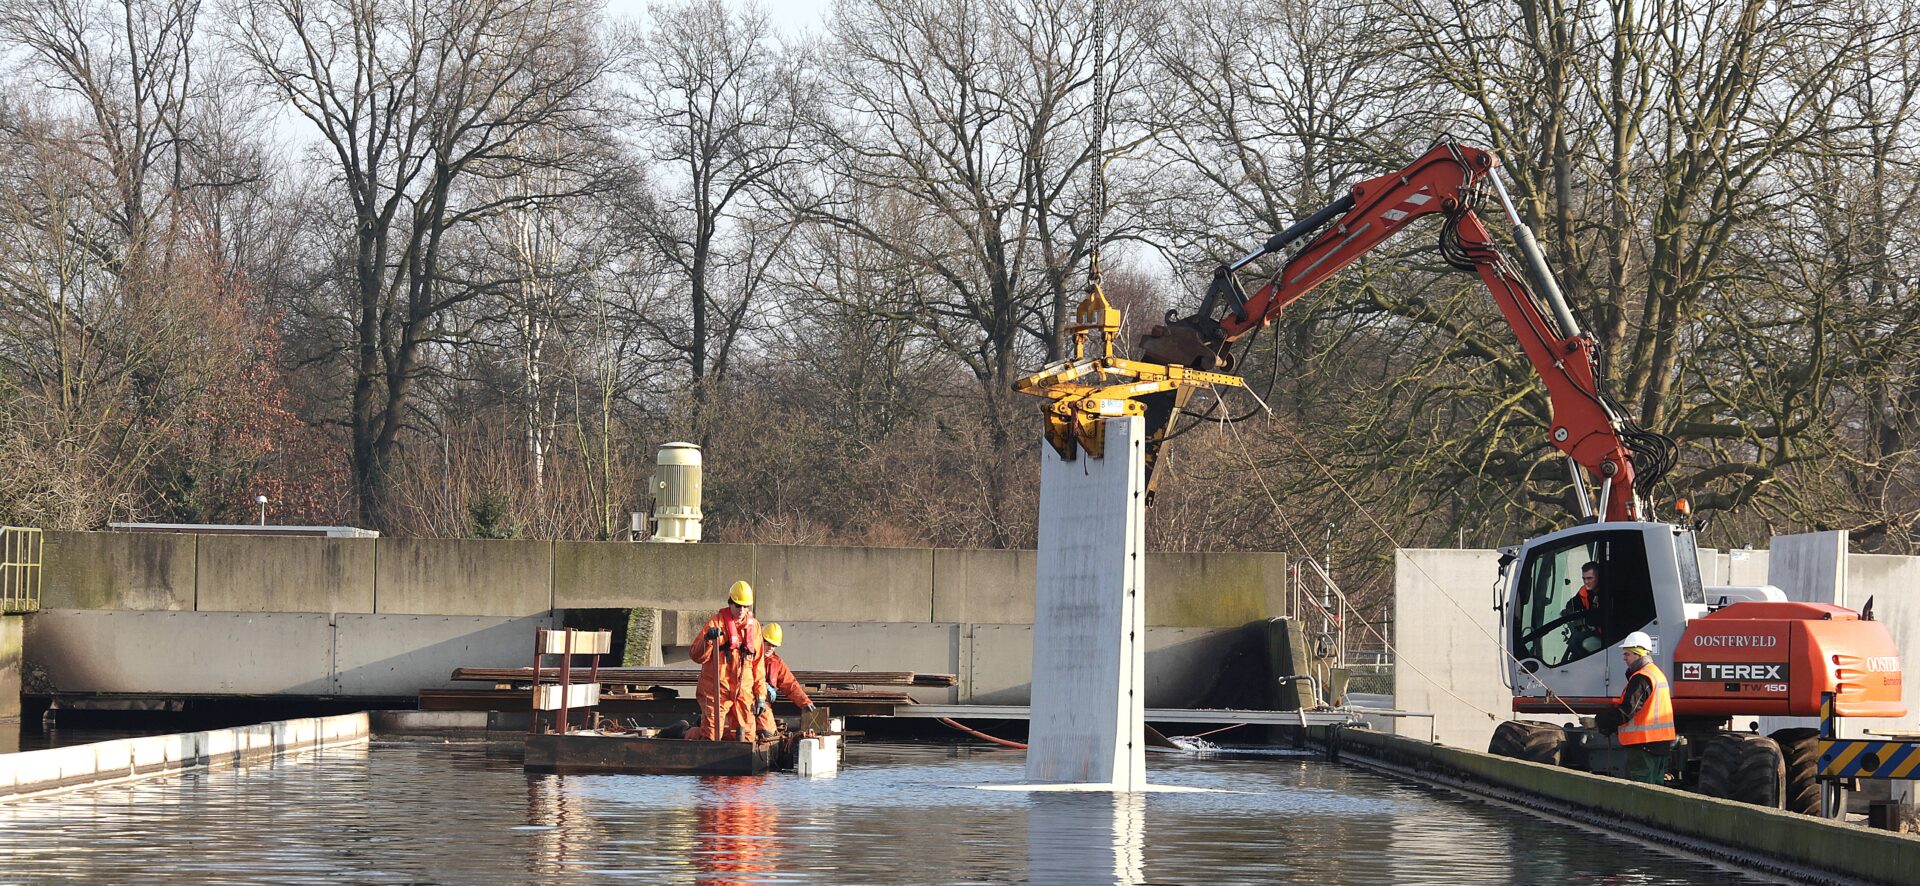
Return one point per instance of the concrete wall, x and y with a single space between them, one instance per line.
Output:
842 584
280 653
1809 568
462 577
373 655
1893 583
1181 664
1447 661
983 586
1736 567
258 573
37 773
239 573
12 641
117 570
591 575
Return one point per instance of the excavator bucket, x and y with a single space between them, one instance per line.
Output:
1161 410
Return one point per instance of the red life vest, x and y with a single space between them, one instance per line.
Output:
739 635
1654 720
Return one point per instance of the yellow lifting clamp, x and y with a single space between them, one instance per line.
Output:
1087 390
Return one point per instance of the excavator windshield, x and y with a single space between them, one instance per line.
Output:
1564 618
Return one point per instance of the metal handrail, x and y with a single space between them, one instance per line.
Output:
20 552
1345 609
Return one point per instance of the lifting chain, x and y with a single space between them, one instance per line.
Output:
1096 167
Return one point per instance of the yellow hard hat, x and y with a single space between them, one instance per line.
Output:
741 593
772 634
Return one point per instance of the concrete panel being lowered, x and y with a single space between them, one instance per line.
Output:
1089 612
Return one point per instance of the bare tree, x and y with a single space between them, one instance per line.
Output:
717 99
411 101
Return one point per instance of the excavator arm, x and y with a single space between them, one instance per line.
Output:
1449 180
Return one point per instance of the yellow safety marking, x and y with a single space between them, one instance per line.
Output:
1846 756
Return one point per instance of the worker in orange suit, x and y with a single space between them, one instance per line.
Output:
774 675
727 650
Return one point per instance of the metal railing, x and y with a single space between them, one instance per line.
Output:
19 569
1331 607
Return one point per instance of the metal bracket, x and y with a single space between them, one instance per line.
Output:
1088 390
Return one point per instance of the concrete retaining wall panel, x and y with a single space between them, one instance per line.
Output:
253 573
1214 589
921 648
1893 583
12 641
1811 568
1449 663
117 570
982 586
1746 567
1181 664
605 575
180 652
399 655
451 576
843 584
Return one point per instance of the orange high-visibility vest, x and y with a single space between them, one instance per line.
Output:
1654 721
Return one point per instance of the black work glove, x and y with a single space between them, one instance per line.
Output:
713 633
809 706
1608 722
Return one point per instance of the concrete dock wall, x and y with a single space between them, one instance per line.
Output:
77 652
1800 846
35 773
279 653
512 578
12 644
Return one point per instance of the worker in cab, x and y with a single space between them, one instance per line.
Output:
1583 608
776 677
727 650
1587 598
1643 715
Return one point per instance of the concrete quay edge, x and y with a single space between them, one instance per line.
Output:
1799 846
53 770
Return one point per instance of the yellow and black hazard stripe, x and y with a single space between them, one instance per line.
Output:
1868 758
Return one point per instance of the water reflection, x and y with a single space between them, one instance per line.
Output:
1087 838
738 827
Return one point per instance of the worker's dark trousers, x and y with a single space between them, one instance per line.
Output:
1648 767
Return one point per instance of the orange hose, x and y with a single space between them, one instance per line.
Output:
983 736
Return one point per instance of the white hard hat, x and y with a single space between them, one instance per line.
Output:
1638 639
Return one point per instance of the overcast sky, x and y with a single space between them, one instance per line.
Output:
790 16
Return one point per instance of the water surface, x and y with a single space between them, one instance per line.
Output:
420 812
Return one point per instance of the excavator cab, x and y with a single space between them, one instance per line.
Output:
1563 638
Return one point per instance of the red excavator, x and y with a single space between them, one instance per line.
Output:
1732 653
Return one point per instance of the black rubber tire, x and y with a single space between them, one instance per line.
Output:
1527 740
1745 768
1800 748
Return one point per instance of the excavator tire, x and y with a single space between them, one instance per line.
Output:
1800 747
1745 768
1527 740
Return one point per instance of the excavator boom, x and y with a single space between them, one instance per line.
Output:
1449 180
